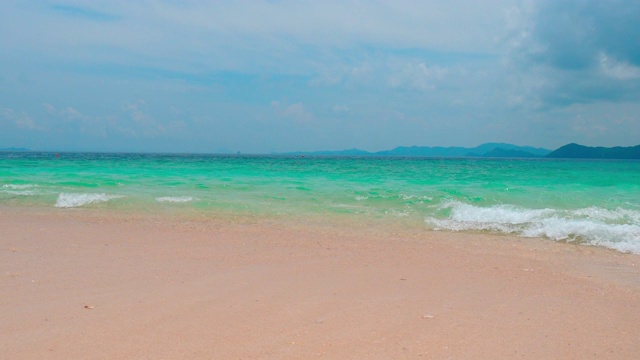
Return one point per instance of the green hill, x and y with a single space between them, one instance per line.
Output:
576 151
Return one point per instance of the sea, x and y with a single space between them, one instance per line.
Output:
589 202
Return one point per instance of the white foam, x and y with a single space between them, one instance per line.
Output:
617 215
401 196
397 213
19 189
174 199
418 197
70 200
618 229
21 193
18 186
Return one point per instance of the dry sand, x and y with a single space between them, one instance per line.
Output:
79 285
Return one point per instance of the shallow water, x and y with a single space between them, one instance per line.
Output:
592 202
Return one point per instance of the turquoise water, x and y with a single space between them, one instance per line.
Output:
593 202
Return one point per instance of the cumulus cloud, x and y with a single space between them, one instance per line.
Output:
68 114
72 114
49 108
391 68
416 76
138 122
296 111
22 120
72 119
583 51
390 72
26 122
196 37
132 121
617 69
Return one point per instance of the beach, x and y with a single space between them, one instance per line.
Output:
319 179
83 283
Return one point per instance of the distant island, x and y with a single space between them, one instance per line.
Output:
576 151
497 150
493 150
488 150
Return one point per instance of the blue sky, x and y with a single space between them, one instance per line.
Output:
274 76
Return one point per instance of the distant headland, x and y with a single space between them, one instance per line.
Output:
585 152
488 150
484 150
493 150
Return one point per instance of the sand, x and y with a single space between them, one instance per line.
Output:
76 284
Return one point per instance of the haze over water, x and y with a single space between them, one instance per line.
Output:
591 202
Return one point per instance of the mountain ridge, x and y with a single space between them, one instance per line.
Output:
492 150
483 150
577 151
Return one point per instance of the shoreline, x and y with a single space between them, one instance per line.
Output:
85 284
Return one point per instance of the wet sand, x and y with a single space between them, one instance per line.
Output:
85 285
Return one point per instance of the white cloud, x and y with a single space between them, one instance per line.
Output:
139 122
296 111
618 69
132 121
281 36
574 51
416 76
392 72
438 63
343 23
50 108
68 114
22 120
72 114
137 115
26 122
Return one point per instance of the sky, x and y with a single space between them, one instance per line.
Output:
278 75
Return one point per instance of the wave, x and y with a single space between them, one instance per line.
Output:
18 186
416 197
405 197
617 229
19 189
174 199
21 193
69 200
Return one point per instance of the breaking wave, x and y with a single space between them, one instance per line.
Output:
19 189
617 229
69 200
18 186
174 199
